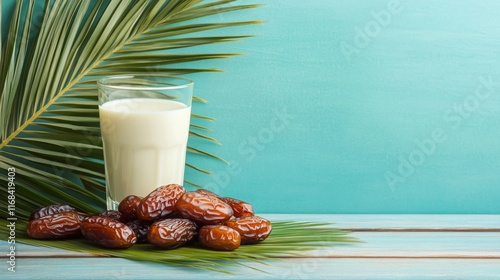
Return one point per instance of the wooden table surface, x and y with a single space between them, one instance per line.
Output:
395 247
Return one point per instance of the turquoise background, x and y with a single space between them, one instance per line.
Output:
357 107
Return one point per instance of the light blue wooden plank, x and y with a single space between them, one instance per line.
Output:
399 221
349 269
419 244
24 250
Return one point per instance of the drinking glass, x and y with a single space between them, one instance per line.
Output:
144 126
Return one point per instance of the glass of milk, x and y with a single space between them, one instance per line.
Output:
144 126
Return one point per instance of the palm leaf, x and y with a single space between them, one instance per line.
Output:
49 122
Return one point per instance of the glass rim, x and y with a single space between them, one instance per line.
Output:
105 82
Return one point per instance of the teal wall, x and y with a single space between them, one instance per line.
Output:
358 107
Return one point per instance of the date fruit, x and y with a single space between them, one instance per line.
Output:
252 228
140 229
55 226
219 237
240 208
169 217
51 209
203 209
171 233
112 214
206 192
160 203
128 207
108 232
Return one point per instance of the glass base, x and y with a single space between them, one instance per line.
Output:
111 204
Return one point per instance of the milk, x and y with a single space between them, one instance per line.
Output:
144 144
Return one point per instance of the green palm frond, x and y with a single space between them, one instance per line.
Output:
50 62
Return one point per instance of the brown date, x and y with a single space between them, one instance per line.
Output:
171 233
252 228
219 237
108 232
160 203
175 215
206 192
112 214
128 207
55 226
207 210
240 208
51 209
140 229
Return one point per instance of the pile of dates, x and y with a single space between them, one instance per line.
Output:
169 217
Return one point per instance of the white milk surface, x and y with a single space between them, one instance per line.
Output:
144 144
